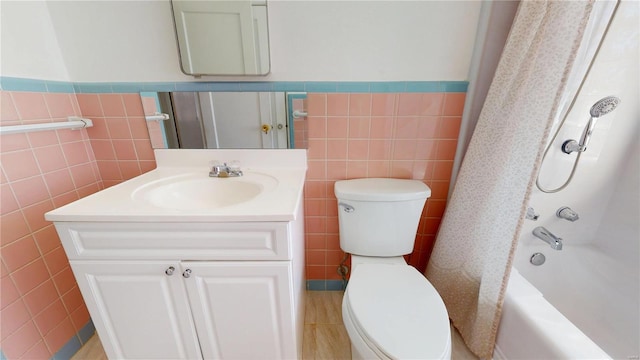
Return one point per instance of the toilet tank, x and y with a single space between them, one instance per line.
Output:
379 217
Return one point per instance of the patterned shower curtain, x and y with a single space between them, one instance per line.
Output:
472 257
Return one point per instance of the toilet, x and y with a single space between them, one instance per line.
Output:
390 310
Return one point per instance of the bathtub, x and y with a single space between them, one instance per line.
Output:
566 308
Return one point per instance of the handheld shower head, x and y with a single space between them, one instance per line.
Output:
604 106
600 108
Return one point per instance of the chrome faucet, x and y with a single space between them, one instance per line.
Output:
546 236
224 170
567 213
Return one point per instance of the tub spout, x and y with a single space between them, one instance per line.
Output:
546 236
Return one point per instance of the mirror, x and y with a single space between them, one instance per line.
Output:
222 37
225 120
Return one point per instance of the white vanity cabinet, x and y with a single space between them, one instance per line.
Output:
241 310
139 311
176 264
191 290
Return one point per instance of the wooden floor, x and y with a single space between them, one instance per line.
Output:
324 335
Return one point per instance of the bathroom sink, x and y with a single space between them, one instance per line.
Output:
197 191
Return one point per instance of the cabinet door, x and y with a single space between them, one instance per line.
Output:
242 310
216 37
140 312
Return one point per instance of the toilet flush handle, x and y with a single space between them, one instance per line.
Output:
346 207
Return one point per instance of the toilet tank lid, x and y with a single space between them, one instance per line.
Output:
381 189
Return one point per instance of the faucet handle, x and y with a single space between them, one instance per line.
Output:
233 165
216 167
531 214
234 168
567 213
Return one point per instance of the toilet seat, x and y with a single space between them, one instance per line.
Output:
398 313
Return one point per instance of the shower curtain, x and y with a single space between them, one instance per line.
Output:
472 257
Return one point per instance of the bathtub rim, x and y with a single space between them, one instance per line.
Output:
569 342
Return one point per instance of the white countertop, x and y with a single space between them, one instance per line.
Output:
117 204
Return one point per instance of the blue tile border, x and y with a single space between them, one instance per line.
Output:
316 285
157 86
125 88
72 346
413 86
68 350
354 87
319 86
334 285
393 86
59 87
93 88
23 84
456 86
325 285
288 86
20 84
86 332
256 86
75 343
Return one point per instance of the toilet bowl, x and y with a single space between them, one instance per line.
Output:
389 309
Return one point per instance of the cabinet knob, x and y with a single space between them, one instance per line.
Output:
186 273
170 270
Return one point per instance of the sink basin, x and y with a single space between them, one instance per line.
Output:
201 192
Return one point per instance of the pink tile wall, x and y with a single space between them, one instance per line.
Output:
119 137
40 304
407 135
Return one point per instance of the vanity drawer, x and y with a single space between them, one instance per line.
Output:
183 241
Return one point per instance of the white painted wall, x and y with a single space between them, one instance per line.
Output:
372 40
28 44
113 41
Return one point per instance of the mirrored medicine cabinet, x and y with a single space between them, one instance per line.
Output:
225 120
218 37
